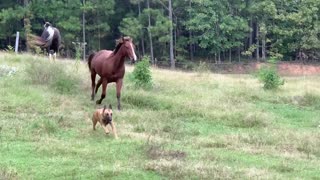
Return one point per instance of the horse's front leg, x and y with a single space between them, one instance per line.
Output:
104 89
93 84
49 54
119 87
54 56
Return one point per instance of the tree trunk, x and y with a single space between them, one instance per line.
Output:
263 42
215 58
175 38
172 61
257 43
27 24
230 55
263 49
150 35
239 53
84 33
250 36
142 37
190 38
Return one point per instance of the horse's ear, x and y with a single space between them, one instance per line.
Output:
43 21
119 41
104 108
110 107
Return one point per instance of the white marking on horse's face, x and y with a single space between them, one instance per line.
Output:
51 32
134 53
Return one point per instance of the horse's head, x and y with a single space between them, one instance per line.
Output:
46 25
129 48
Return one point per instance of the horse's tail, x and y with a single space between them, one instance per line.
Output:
34 40
90 59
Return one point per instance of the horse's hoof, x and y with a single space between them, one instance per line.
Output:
98 102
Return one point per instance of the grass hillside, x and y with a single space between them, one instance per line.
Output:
189 126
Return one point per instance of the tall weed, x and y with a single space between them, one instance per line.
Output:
53 75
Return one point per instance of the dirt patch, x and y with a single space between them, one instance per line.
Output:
284 68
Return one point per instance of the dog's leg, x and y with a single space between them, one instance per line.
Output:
105 129
94 122
114 130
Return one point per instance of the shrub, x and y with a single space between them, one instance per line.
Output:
202 68
270 78
141 75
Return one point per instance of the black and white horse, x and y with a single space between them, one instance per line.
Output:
50 40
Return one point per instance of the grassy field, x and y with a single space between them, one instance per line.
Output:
189 126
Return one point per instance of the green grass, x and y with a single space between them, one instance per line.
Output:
188 126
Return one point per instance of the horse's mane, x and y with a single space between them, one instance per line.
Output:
119 43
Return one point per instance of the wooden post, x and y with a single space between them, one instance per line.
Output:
17 42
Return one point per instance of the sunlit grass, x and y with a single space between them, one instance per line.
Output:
191 125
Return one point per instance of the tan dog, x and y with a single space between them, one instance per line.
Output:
104 116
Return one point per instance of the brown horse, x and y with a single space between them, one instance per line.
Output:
110 67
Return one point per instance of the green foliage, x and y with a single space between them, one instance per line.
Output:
285 28
250 50
131 27
10 49
141 74
269 77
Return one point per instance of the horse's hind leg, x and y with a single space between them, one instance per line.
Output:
119 87
104 89
98 85
93 84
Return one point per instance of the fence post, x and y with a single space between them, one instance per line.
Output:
17 42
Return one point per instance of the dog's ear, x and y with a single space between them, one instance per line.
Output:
110 107
104 108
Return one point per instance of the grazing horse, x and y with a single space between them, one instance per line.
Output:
50 40
110 67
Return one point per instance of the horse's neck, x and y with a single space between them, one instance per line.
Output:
119 58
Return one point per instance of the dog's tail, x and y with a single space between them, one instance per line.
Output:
90 59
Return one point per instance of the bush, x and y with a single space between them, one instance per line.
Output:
202 68
141 75
270 78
